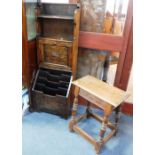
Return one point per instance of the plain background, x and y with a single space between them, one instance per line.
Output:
11 77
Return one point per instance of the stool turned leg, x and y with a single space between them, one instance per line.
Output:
74 109
88 109
101 134
117 117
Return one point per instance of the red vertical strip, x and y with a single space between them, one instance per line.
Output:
126 35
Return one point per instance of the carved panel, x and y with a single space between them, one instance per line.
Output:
56 54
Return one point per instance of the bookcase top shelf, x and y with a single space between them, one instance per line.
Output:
60 11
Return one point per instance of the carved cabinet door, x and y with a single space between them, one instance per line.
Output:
55 52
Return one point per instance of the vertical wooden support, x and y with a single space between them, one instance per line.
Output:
75 107
120 81
88 110
101 134
37 13
117 117
25 69
75 104
104 126
106 67
75 42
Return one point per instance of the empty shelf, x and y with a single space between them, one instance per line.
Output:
56 17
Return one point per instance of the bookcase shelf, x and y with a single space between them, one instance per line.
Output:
56 17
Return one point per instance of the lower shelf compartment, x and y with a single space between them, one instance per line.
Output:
57 105
50 92
51 89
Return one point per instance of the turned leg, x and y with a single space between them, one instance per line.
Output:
74 109
117 117
88 110
104 124
106 68
103 128
101 134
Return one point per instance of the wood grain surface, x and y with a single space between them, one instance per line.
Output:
102 90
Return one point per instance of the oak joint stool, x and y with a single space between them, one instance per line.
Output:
103 96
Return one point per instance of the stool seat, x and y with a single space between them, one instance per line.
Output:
103 96
102 90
